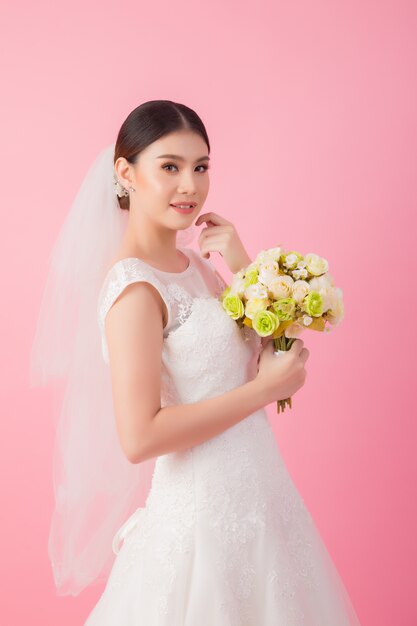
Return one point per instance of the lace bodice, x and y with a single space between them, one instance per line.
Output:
200 339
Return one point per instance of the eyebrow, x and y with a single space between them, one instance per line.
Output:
180 158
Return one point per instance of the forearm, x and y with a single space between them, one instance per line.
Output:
182 426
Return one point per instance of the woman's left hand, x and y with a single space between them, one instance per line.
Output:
221 236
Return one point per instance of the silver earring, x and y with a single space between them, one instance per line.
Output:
119 188
131 188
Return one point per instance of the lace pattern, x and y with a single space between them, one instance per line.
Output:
122 274
127 271
232 492
184 301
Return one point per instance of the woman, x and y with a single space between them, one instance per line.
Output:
224 537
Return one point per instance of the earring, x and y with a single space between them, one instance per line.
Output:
131 188
119 188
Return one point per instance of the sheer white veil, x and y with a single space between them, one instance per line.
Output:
96 488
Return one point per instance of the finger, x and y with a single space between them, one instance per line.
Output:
304 354
270 342
212 245
217 228
264 342
297 346
210 216
215 235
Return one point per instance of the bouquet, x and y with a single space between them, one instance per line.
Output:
282 293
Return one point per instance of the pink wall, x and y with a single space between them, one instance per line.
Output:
311 111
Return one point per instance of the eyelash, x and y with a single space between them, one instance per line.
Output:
206 167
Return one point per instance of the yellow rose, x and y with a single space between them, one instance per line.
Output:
233 306
251 278
284 308
265 323
313 304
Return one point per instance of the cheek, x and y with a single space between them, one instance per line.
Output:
160 184
204 187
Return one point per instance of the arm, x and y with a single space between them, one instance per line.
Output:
184 425
134 326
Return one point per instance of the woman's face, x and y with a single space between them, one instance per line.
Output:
162 180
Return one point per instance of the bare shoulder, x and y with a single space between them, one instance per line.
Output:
134 335
137 308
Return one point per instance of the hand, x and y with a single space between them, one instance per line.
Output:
281 375
221 236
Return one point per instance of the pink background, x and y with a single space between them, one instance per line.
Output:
311 111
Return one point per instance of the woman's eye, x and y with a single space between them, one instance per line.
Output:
205 167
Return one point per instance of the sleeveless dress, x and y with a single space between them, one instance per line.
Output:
225 538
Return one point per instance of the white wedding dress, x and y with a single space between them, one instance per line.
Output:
225 539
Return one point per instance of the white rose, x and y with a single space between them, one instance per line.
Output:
315 264
237 285
257 290
290 259
300 289
267 271
266 256
321 282
254 305
275 253
299 274
281 286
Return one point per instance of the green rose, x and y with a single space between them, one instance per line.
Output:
284 308
313 304
265 323
233 306
251 278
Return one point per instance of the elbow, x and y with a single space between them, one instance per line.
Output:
139 453
133 458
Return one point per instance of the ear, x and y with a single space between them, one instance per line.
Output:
123 170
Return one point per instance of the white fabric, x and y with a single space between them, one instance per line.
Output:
94 484
224 538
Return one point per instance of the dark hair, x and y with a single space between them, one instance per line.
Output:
151 121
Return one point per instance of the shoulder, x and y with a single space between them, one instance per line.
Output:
121 274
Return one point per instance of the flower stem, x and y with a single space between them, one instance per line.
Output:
283 343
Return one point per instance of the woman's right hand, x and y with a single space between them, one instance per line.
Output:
281 375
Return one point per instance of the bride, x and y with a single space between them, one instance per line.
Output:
169 484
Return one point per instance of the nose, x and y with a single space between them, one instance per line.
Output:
187 184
